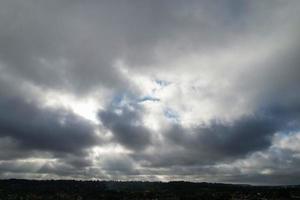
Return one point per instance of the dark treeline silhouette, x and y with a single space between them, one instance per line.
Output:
15 189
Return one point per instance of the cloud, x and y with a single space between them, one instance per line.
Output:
28 126
276 165
200 90
75 46
127 127
213 143
51 131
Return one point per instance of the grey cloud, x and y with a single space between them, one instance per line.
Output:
225 140
118 165
61 168
73 45
17 167
273 166
78 161
55 45
104 167
220 141
31 127
209 144
127 128
9 150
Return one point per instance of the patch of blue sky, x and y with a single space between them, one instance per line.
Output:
127 98
122 98
148 98
162 83
171 115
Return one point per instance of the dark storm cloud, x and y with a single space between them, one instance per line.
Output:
32 127
212 143
32 135
127 127
225 140
10 150
222 141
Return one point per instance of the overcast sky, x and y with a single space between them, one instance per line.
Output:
155 90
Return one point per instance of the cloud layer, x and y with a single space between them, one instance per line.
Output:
150 90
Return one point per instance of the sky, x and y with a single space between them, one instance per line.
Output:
153 90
